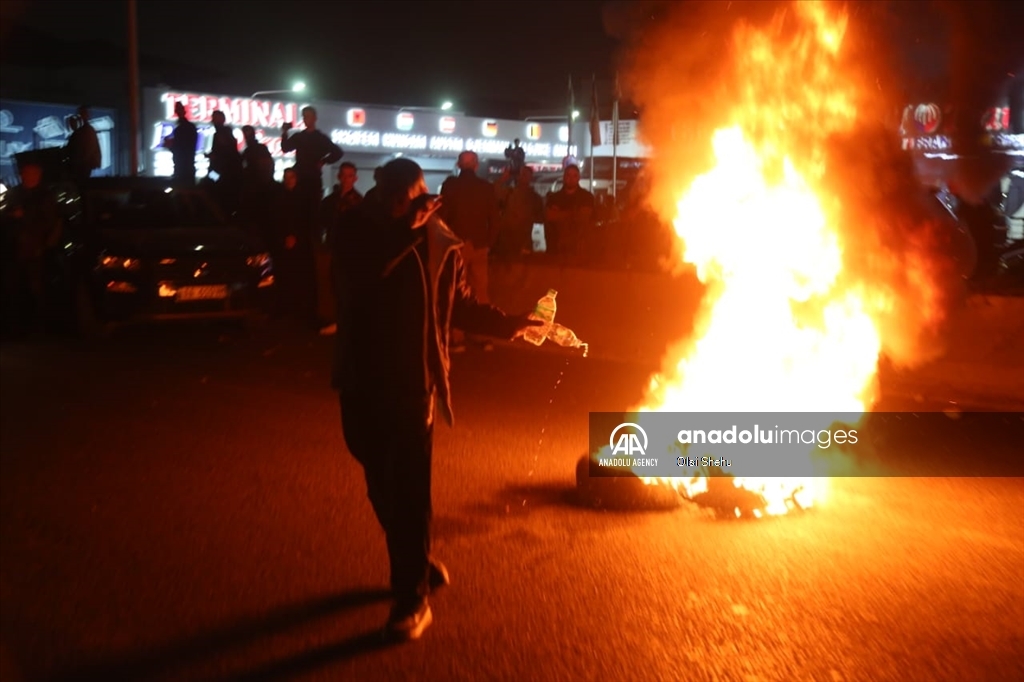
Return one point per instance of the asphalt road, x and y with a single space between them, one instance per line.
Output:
178 505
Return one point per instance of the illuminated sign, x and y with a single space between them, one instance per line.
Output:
563 134
934 143
356 118
352 126
996 119
928 118
445 143
239 111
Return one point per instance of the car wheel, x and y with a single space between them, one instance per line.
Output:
89 324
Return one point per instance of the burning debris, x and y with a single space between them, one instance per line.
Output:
720 495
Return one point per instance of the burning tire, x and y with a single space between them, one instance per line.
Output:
623 491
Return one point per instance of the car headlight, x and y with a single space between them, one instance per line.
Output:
108 262
259 260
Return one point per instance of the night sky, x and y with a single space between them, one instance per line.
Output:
479 55
494 58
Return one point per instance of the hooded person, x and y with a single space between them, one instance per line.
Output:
401 287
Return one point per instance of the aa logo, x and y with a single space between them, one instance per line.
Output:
628 439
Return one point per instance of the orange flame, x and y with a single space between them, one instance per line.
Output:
787 327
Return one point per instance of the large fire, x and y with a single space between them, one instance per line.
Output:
784 329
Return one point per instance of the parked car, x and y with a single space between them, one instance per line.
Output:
145 250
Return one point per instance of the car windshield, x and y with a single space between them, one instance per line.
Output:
135 208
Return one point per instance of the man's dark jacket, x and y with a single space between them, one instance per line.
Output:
399 293
470 207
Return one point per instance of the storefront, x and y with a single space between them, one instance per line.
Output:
28 126
994 168
369 136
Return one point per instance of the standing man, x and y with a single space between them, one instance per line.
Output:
313 150
257 162
83 148
401 287
225 161
345 198
521 207
569 217
470 208
182 143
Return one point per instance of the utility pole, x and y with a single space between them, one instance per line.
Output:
133 81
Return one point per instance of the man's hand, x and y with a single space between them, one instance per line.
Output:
520 323
286 127
423 207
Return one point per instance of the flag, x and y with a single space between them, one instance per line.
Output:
595 116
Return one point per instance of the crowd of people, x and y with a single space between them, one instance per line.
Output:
493 220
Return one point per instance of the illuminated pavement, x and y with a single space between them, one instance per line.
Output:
183 508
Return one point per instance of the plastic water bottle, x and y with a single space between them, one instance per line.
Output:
545 312
564 336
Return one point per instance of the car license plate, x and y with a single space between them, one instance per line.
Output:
204 293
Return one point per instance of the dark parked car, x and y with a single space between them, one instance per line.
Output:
145 250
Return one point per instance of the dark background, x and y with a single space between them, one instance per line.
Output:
497 58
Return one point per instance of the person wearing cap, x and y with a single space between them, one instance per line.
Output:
401 288
470 208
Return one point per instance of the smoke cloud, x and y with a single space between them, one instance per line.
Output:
687 67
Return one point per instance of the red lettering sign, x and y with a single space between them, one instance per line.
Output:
238 111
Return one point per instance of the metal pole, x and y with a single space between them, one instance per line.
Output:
615 149
133 82
591 164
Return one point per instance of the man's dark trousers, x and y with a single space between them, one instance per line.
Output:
394 444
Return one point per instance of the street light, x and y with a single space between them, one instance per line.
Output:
446 106
575 115
298 87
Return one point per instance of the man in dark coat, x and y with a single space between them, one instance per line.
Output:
182 143
226 162
401 288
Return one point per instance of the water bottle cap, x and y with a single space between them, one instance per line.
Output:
552 292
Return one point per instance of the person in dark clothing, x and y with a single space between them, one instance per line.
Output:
226 162
260 206
294 265
344 199
569 217
33 226
83 148
313 150
521 207
470 208
372 192
257 162
182 143
401 287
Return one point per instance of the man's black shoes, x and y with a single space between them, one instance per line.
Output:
438 576
407 623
